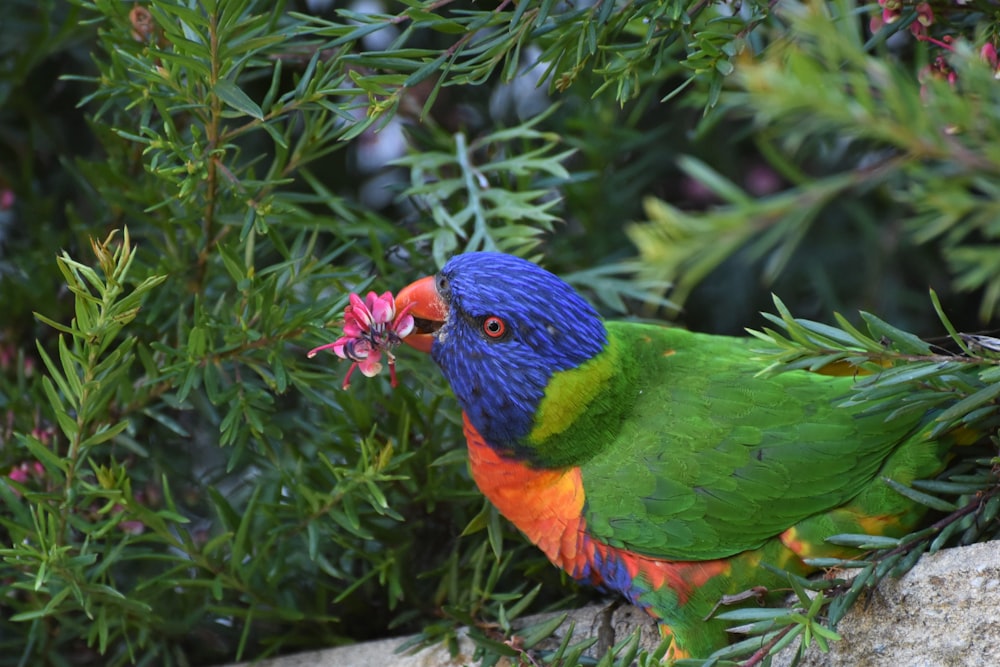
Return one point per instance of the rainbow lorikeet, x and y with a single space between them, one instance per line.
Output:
653 461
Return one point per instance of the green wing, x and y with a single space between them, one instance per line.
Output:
711 459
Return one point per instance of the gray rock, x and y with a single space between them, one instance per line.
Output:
945 612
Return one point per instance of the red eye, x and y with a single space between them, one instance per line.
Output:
494 327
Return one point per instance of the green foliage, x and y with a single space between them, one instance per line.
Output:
904 163
181 485
185 485
900 371
469 209
630 45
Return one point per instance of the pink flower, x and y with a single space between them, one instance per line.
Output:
43 434
892 10
24 473
937 69
371 327
989 54
130 526
925 17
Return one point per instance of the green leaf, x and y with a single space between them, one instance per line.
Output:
478 522
752 614
969 403
426 70
242 545
104 433
835 562
864 541
234 97
901 340
495 533
923 498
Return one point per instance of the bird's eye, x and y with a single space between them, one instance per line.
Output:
494 327
443 287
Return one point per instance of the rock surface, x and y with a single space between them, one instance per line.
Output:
944 613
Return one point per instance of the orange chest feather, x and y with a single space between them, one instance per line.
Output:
545 505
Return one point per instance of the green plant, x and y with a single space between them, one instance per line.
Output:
898 156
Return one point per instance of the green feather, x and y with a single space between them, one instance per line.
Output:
687 453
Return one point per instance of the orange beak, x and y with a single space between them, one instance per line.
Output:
429 312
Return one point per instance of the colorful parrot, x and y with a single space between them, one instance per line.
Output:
653 461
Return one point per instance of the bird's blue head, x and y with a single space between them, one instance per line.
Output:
499 327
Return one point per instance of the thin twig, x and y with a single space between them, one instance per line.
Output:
764 650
